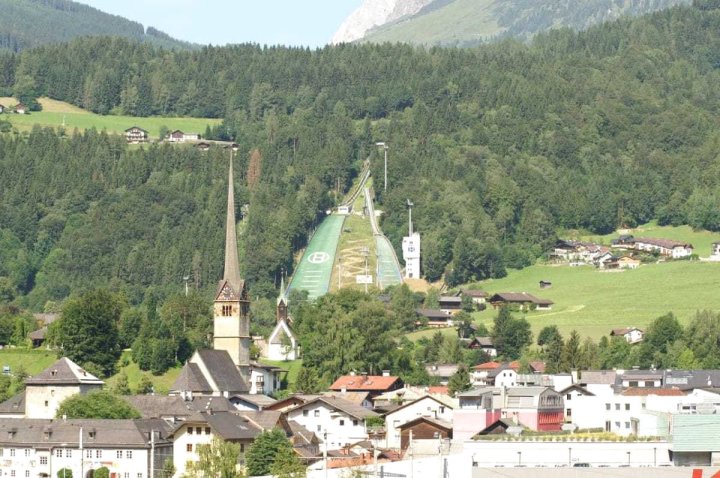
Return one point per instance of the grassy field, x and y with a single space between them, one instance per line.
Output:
59 114
594 301
292 366
161 383
33 360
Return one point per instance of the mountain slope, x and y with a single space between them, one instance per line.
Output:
469 22
29 23
373 13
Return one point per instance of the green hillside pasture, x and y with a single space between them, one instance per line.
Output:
75 118
593 302
701 240
292 367
461 20
33 360
161 383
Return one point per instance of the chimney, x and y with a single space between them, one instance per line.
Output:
386 373
574 374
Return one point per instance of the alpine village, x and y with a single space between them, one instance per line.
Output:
463 239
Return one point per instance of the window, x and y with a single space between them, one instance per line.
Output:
1 452
12 472
569 412
342 423
47 403
12 452
627 425
617 406
198 430
317 413
355 423
649 384
27 451
27 473
227 310
98 453
43 460
627 406
58 453
188 447
617 425
207 430
633 383
128 454
568 397
88 453
607 406
442 409
118 454
242 448
126 475
305 413
139 475
68 453
318 428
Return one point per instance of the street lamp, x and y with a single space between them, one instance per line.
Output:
385 148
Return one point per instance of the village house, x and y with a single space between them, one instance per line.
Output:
434 408
178 136
335 421
664 247
450 304
373 384
521 300
441 371
478 297
538 408
434 318
632 335
42 447
136 135
21 109
282 344
576 252
483 343
424 429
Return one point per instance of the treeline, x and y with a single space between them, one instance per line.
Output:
29 23
498 147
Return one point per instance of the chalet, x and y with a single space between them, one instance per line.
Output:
450 304
136 135
203 146
576 252
483 343
424 428
426 406
632 335
374 384
21 109
178 136
522 300
478 296
627 262
435 318
38 337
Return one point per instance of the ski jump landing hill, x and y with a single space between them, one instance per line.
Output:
315 268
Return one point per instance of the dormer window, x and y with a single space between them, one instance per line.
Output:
53 372
91 434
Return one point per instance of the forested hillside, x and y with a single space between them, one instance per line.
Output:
497 146
29 23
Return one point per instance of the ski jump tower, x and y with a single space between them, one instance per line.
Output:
411 249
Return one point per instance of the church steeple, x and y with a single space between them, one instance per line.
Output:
232 263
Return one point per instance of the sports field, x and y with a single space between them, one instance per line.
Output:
59 114
315 268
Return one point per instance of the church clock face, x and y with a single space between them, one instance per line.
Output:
227 293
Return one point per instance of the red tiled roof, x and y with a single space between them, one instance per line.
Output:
538 366
366 382
487 366
440 389
664 392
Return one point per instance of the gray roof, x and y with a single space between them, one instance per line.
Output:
598 377
642 375
526 391
14 405
64 372
210 404
433 314
158 406
228 425
38 334
349 408
191 379
690 379
477 392
256 399
266 419
96 433
434 421
223 371
441 370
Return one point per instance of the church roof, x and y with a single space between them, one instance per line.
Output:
191 379
232 262
64 372
223 371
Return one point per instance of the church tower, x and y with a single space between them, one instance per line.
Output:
231 310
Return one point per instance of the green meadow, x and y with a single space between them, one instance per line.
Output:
58 114
32 360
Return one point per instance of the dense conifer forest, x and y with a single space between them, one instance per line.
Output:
498 147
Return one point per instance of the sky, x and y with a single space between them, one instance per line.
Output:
219 22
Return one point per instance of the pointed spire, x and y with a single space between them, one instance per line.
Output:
232 263
281 297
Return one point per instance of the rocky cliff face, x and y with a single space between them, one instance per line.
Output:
373 13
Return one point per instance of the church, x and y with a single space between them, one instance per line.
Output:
227 370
